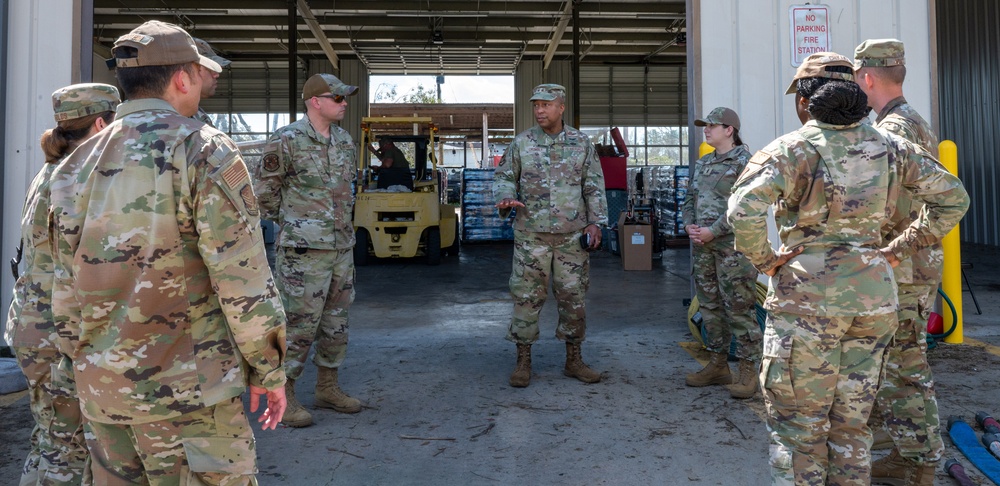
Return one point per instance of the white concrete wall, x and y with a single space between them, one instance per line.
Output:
41 45
742 56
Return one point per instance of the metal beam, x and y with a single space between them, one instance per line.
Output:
318 33
557 35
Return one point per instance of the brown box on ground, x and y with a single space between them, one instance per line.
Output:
636 243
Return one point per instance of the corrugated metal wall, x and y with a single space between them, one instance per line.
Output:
530 74
610 95
969 87
631 95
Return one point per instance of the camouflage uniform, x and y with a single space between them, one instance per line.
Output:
832 307
906 400
203 117
305 185
724 278
163 295
59 451
559 180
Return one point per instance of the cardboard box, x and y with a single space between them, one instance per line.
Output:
636 244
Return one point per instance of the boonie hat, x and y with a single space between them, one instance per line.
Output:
879 53
815 66
318 84
720 116
161 44
205 49
548 92
80 100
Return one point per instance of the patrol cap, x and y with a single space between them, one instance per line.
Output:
318 84
720 116
80 100
161 44
879 53
815 66
548 92
205 49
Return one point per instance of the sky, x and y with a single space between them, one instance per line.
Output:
456 89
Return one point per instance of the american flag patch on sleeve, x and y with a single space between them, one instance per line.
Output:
235 175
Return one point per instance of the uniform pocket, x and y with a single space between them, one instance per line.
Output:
230 455
775 371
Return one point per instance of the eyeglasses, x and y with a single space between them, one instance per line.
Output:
335 98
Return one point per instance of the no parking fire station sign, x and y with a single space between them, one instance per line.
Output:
810 31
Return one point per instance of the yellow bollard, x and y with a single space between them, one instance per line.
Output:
951 278
704 149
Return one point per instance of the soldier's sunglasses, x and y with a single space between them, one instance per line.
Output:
335 98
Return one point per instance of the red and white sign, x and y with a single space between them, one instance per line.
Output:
810 31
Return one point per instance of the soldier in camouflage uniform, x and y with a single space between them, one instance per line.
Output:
724 279
59 451
162 296
550 173
832 298
304 183
209 78
906 402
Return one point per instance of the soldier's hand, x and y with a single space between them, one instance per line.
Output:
276 404
890 256
705 235
783 257
509 202
693 233
595 236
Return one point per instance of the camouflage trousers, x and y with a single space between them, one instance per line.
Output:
210 446
537 257
819 376
725 284
906 402
58 449
317 289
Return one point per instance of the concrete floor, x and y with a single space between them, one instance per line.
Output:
428 359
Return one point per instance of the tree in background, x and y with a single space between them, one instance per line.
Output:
386 93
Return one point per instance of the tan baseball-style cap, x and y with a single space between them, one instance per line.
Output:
815 66
80 100
161 44
879 53
321 83
205 49
548 92
720 116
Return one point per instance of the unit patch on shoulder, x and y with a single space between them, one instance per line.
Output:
755 165
249 199
271 162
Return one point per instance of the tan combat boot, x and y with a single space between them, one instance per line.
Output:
329 395
716 372
747 384
896 470
295 414
522 371
576 368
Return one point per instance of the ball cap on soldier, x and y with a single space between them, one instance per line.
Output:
205 49
322 83
80 100
879 53
720 116
161 44
548 92
815 66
